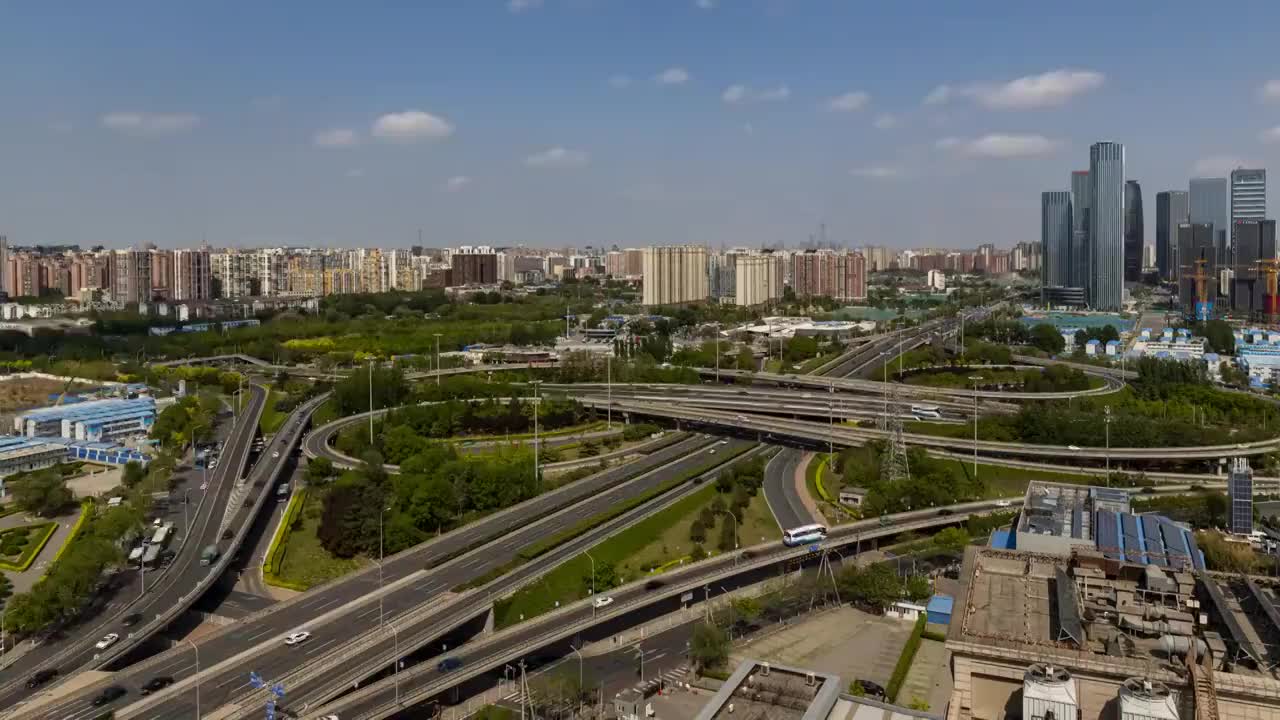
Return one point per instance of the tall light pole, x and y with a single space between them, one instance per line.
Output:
370 402
717 352
536 447
381 510
579 654
395 636
593 582
884 357
1106 412
437 358
196 650
608 379
831 419
976 379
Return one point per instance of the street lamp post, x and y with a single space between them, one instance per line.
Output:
717 353
437 358
884 357
831 419
593 582
196 650
976 379
395 636
1106 410
608 374
579 654
735 530
536 444
370 402
381 510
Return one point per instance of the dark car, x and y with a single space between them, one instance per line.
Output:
41 677
654 584
945 512
228 534
156 684
871 688
448 664
110 694
131 619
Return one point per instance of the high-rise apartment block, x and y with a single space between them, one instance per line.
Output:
757 279
129 275
674 274
839 275
1106 225
1248 197
1254 240
1172 209
1198 274
192 274
473 266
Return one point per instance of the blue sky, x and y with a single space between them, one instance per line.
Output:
598 122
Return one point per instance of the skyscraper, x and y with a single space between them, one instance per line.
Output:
1081 192
1254 240
1198 273
1133 231
1209 206
1248 197
1106 226
1055 238
4 263
1171 211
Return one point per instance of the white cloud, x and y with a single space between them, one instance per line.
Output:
877 172
737 94
336 138
1270 91
672 76
411 125
355 173
141 123
849 102
1270 135
519 6
705 4
558 157
885 121
456 183
1220 165
1050 89
1000 145
938 95
619 81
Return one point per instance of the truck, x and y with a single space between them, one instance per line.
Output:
209 555
282 492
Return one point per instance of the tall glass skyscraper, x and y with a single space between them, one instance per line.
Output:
1055 237
1134 233
1209 207
1080 198
1106 226
1171 211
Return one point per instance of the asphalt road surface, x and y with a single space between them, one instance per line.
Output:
74 647
780 490
261 636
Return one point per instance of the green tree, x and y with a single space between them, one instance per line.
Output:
951 539
132 474
917 588
1047 338
43 493
709 646
746 609
856 689
605 577
319 470
876 586
697 532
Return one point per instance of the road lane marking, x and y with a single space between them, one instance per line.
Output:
322 646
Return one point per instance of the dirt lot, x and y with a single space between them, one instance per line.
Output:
23 393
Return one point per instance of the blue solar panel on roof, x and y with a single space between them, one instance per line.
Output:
1108 541
1155 544
1132 541
1197 560
1174 545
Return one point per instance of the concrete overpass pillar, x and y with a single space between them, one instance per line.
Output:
488 621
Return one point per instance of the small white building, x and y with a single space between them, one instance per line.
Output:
937 280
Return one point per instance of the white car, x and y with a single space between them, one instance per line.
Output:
329 717
1003 503
107 641
297 638
275 454
603 601
1073 448
712 451
723 442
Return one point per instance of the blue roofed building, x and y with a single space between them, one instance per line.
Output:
95 421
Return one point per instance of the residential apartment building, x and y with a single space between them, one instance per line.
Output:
674 274
840 275
757 279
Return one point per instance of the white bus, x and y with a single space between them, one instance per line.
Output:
926 412
804 535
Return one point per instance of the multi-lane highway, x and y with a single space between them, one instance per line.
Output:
423 681
781 493
844 436
350 605
75 649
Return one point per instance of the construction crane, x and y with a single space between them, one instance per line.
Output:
1268 270
1202 307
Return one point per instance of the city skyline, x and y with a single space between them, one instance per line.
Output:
362 126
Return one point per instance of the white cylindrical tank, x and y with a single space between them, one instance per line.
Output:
1178 645
1143 699
1049 692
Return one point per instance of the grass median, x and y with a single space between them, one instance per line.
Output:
26 542
631 551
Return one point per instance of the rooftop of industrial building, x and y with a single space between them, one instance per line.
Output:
766 690
1090 613
91 409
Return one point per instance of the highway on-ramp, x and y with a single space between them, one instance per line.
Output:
780 490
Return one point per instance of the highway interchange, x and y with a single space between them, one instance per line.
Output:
414 599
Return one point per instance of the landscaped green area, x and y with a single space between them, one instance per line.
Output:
682 531
272 416
302 558
1055 378
20 545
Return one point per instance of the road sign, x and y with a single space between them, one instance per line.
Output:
687 597
815 547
